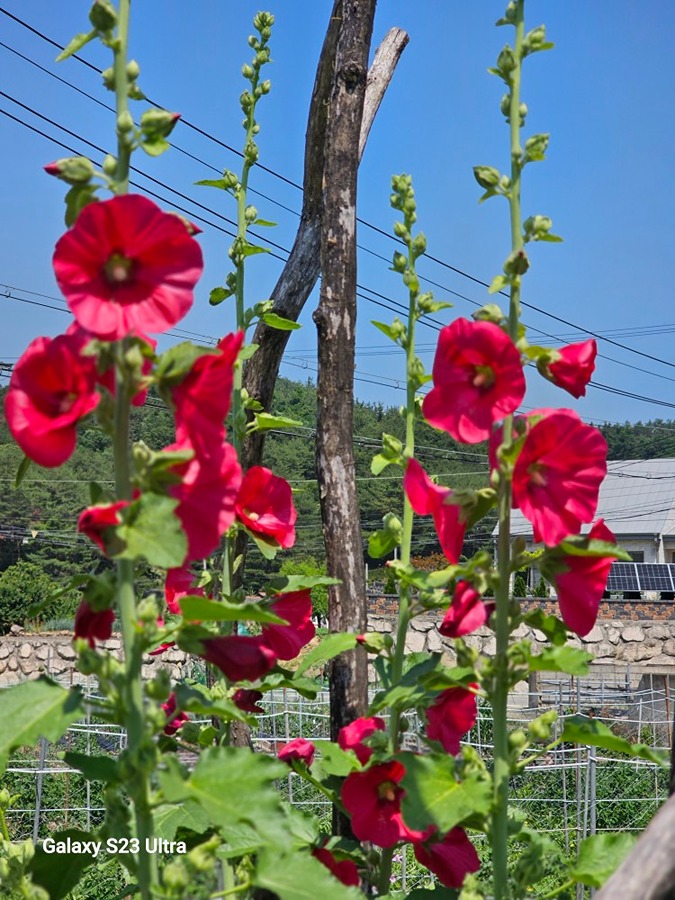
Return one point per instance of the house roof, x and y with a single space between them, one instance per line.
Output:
637 498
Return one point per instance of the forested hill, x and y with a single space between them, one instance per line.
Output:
37 522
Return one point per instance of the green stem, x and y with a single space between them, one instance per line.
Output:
501 772
124 140
228 892
558 890
3 826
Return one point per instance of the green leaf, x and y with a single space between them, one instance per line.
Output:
440 893
265 223
94 768
288 584
382 542
276 321
599 856
224 184
59 873
188 816
396 333
156 146
433 796
24 466
567 659
268 548
498 283
77 43
306 687
584 730
332 645
298 876
333 760
247 351
423 581
252 250
265 422
178 361
201 609
35 709
219 294
410 689
79 196
553 627
380 463
154 532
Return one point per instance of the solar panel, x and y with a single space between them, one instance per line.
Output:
654 577
622 577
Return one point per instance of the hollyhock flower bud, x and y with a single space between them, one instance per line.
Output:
466 613
239 658
158 123
478 379
345 870
557 476
206 496
573 367
427 498
73 169
174 720
265 506
581 583
450 716
351 736
126 266
450 859
52 387
286 641
96 520
299 749
93 625
373 800
247 700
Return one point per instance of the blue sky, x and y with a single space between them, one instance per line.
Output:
606 94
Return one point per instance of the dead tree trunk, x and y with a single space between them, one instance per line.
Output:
335 320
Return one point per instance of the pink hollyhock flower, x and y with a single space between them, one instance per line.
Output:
450 859
450 716
429 499
247 700
351 736
573 369
239 658
466 613
581 587
299 749
265 506
125 266
174 721
288 640
206 496
478 379
178 584
96 520
93 625
373 800
52 387
202 399
558 473
345 870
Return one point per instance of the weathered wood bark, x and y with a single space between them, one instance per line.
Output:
648 873
301 271
335 320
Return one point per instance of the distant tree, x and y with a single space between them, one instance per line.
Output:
23 585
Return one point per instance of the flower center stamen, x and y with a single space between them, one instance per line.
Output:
537 474
483 378
118 269
387 791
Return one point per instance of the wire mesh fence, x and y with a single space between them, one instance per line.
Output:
569 792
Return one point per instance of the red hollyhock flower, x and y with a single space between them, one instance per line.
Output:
247 700
345 870
174 721
450 859
466 613
239 658
558 473
52 387
178 584
126 266
478 379
450 716
206 496
573 369
429 499
373 800
265 506
580 588
202 399
351 737
95 521
95 626
288 640
299 749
